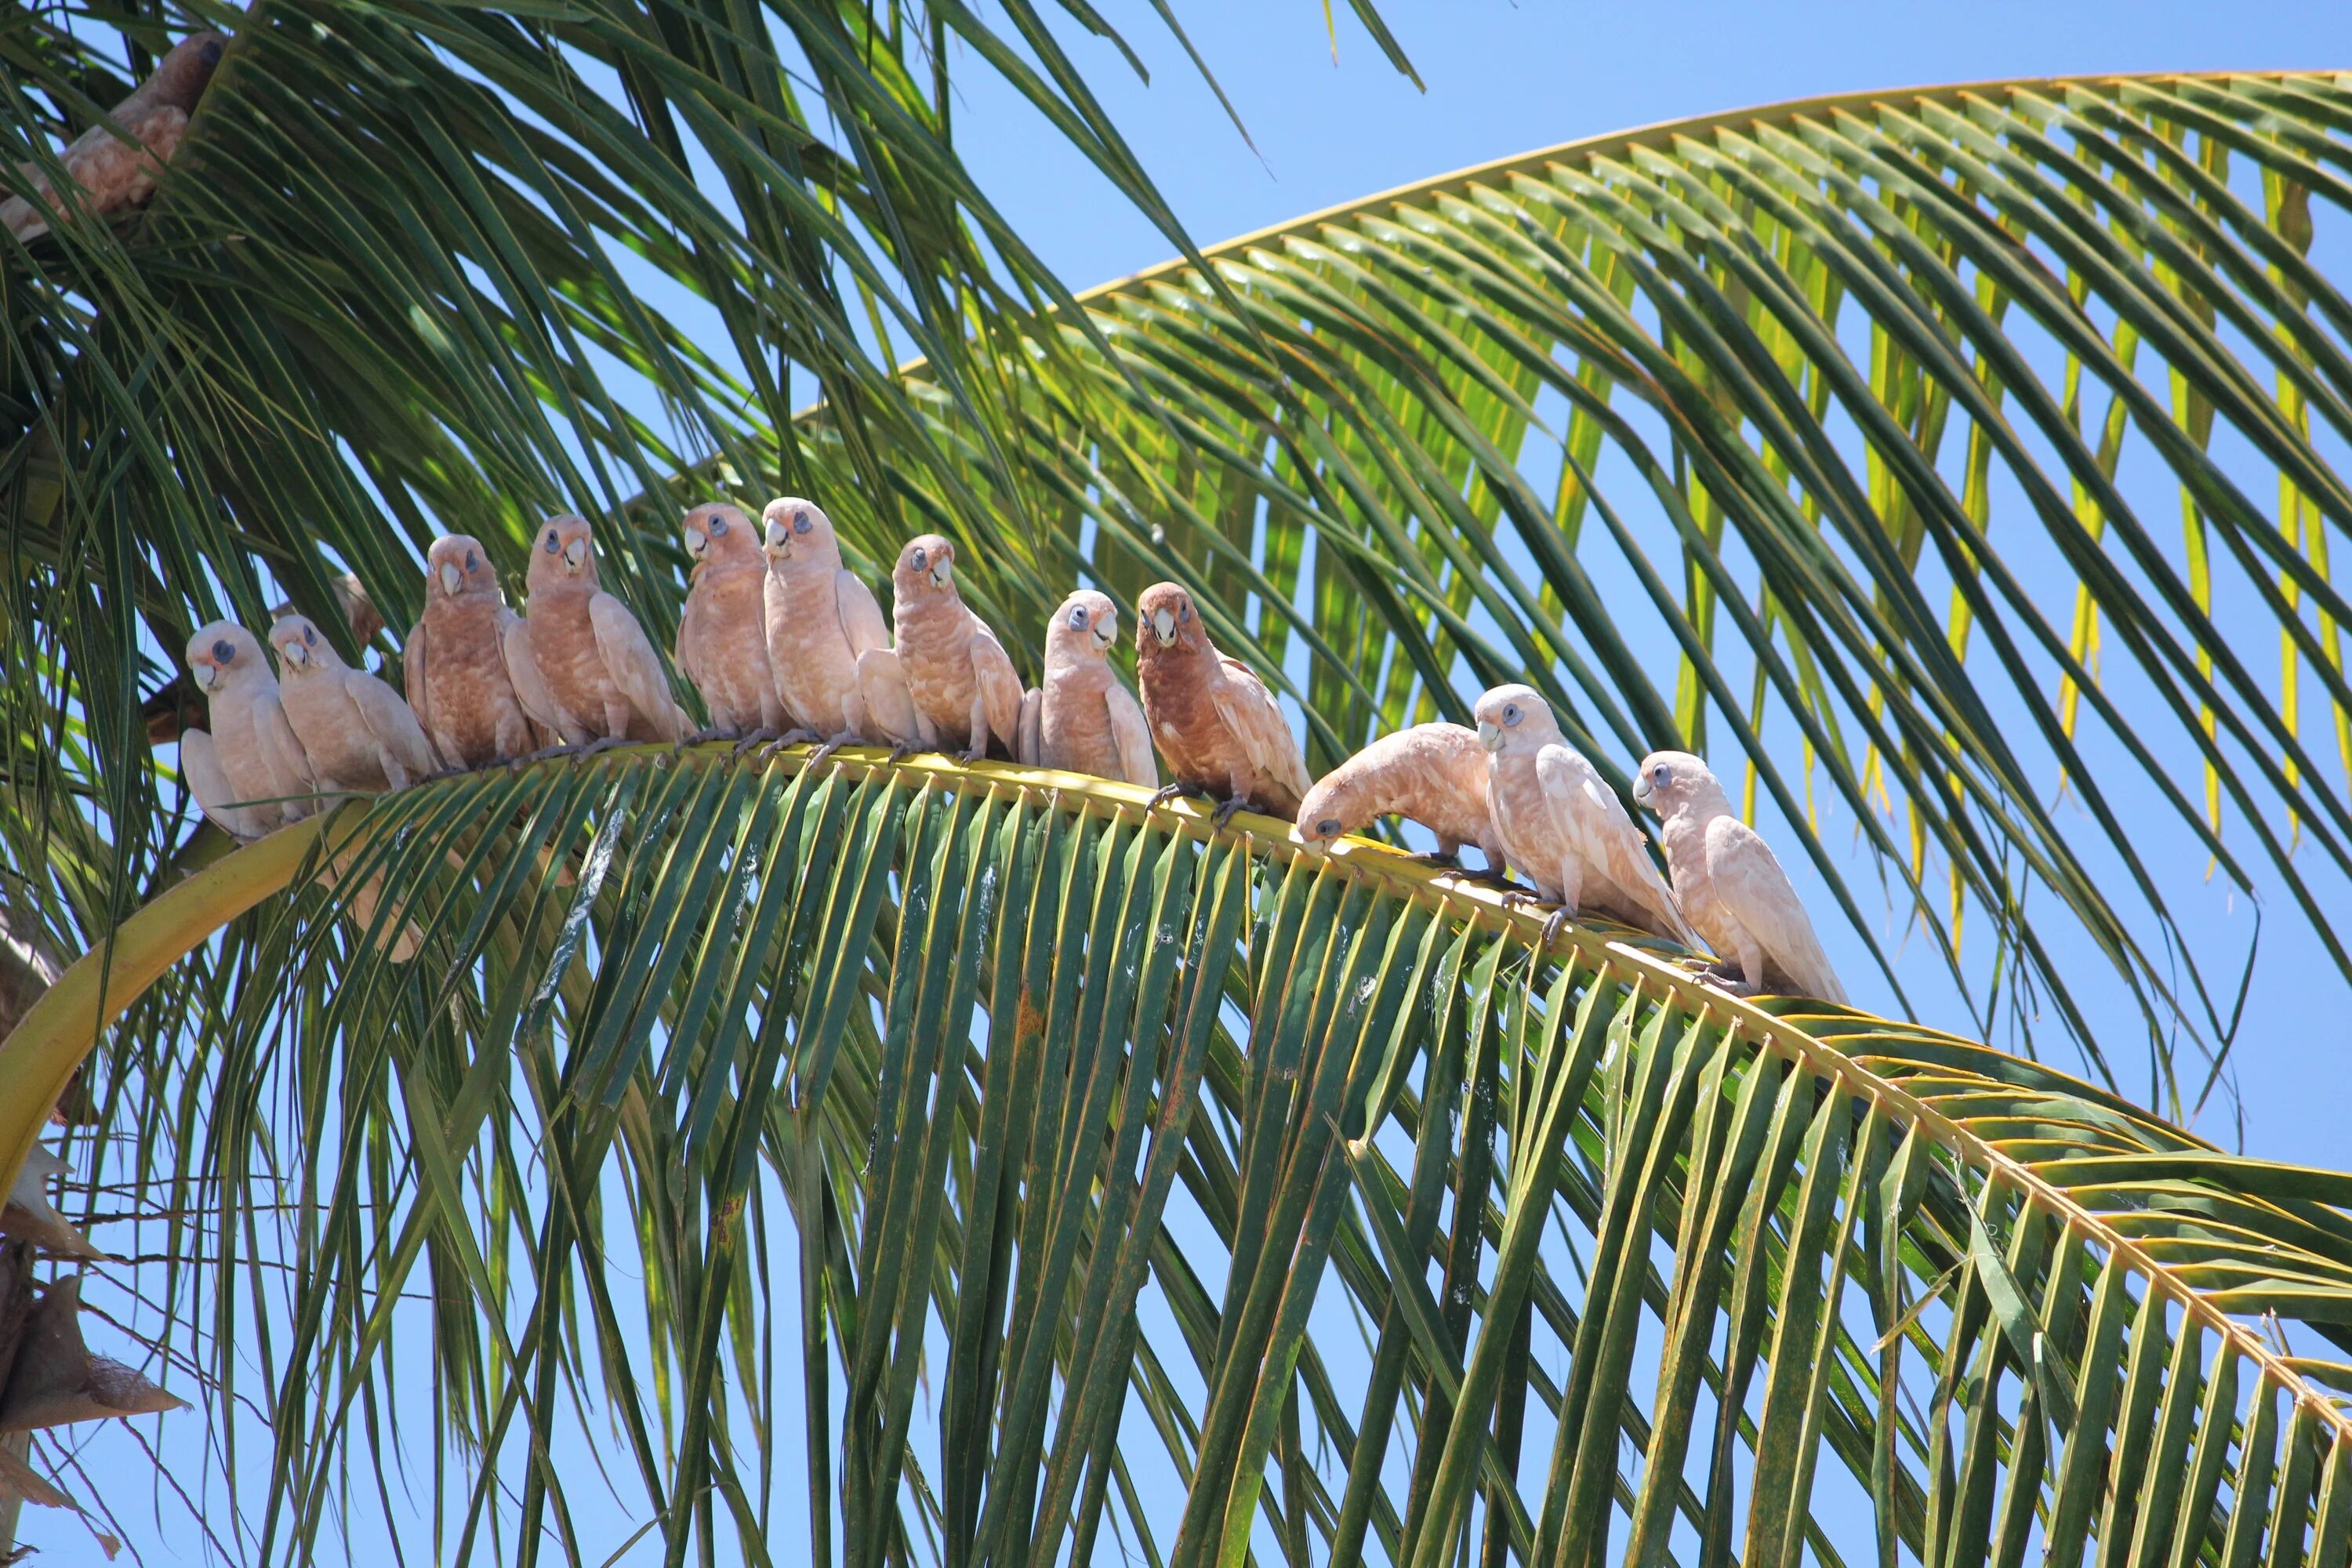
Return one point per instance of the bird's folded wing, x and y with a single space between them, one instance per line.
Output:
1130 734
630 659
1255 720
889 705
393 728
523 673
199 765
1753 888
1610 842
414 655
291 772
1029 745
999 683
862 626
685 648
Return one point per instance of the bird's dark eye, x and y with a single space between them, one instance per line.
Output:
1078 617
551 546
311 636
717 526
470 561
1511 714
923 561
211 54
223 651
1659 772
1328 827
800 523
1184 611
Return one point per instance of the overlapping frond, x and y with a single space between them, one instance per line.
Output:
1005 1167
1916 450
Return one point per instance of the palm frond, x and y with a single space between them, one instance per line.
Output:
996 1161
1800 432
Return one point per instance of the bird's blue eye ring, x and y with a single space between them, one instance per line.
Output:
1328 827
1184 611
1078 617
553 544
1511 714
311 636
470 561
1659 772
223 651
717 526
800 523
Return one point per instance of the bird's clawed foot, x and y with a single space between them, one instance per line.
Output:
703 737
544 754
1224 812
789 738
1553 923
1168 792
976 754
900 751
1518 898
832 745
595 748
1441 859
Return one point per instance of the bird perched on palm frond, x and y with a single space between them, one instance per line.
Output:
594 678
722 633
821 619
248 770
961 681
1434 773
1562 826
358 733
1217 726
1081 718
1730 883
114 176
455 661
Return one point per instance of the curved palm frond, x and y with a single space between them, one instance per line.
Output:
992 1160
1922 450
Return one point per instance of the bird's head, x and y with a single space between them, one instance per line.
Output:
718 531
1326 813
1166 619
1669 780
300 649
1511 717
793 528
1085 626
224 657
565 551
927 565
187 69
458 565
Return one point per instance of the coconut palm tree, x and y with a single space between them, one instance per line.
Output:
893 1159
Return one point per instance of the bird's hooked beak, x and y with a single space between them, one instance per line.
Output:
1642 789
575 554
697 542
207 676
1163 627
942 570
450 578
294 653
779 541
1106 632
1490 734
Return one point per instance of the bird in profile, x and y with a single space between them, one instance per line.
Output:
1082 719
113 175
1562 826
359 737
455 663
584 668
1217 726
821 619
722 633
247 770
1731 884
1435 774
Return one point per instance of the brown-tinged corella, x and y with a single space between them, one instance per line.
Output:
1218 728
958 676
722 633
1730 883
821 617
358 733
249 771
454 663
597 675
114 176
1435 774
1562 826
1082 719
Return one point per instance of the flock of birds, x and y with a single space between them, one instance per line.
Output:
787 646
